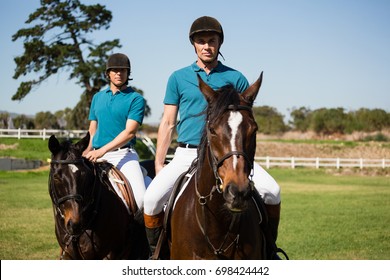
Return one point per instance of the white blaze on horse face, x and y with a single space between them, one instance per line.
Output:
234 122
73 168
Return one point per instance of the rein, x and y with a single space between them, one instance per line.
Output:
203 201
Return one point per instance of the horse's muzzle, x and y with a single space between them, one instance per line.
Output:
236 199
73 227
72 221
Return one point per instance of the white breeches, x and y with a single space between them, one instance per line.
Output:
127 161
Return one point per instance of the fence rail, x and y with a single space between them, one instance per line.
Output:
338 163
40 133
267 161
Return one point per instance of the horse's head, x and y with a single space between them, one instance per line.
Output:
71 182
230 140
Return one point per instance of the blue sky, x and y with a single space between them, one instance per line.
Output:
323 53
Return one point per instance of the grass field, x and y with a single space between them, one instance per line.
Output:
324 216
333 217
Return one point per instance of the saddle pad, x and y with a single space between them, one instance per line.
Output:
123 189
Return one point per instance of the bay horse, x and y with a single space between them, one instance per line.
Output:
91 221
215 216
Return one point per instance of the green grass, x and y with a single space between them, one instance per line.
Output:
26 219
37 149
324 216
25 148
333 216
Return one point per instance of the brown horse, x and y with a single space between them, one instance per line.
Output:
91 221
215 216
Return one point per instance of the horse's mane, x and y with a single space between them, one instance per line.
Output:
226 96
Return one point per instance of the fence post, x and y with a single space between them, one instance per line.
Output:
383 163
292 162
267 162
317 162
338 163
19 133
44 133
361 163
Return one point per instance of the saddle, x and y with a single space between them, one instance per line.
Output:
116 182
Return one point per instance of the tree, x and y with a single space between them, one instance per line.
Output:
300 119
4 120
328 121
59 41
147 108
23 121
372 120
269 120
63 118
46 120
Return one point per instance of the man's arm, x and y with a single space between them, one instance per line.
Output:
164 136
92 131
122 138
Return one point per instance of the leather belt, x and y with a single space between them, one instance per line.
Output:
123 147
184 145
117 149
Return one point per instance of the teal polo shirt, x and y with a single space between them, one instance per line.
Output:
111 111
183 91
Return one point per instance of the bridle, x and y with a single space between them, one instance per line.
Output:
216 163
57 201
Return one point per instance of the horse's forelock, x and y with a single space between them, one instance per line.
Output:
226 96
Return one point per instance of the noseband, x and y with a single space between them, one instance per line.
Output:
217 163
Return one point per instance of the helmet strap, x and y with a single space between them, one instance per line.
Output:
219 53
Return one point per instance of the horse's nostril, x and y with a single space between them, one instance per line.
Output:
73 227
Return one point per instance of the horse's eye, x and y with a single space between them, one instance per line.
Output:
212 130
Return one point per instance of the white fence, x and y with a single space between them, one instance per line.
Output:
294 162
268 162
41 133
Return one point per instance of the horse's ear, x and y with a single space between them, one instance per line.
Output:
54 145
249 95
207 91
83 143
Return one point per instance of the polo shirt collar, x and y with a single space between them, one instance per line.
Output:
196 67
125 91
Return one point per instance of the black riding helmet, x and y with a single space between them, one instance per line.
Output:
206 24
119 61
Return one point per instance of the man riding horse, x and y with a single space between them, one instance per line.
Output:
184 98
